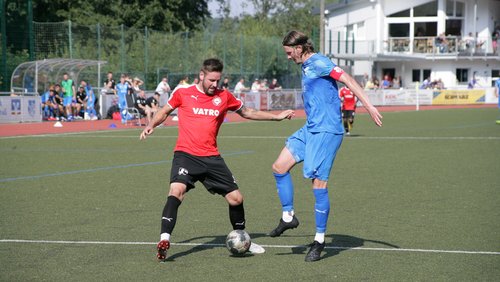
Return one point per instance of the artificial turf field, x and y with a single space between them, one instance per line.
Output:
416 200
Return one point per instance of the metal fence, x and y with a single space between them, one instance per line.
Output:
151 54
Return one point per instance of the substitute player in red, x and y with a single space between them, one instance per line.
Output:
201 110
348 108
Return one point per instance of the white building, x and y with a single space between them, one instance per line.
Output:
398 38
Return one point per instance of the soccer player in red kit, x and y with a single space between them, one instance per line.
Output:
201 110
348 108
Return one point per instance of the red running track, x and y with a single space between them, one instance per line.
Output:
46 127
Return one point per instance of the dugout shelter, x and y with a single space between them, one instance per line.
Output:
37 76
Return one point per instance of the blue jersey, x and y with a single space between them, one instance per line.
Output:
122 90
321 97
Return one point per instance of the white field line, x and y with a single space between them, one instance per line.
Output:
81 135
266 246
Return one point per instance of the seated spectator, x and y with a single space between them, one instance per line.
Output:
55 104
80 103
152 104
140 105
46 103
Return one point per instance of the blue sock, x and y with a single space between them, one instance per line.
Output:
285 190
321 209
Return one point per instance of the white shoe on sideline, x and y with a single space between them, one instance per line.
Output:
256 249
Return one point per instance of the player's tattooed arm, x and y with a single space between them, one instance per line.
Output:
254 114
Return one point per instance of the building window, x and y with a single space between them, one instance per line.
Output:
420 75
399 30
462 75
415 75
495 74
426 10
402 14
454 8
453 27
426 29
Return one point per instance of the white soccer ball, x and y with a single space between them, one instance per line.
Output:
238 242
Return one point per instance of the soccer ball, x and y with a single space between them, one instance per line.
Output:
238 242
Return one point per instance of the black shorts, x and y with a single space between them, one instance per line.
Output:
347 113
141 111
211 171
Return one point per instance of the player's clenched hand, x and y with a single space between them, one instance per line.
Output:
147 131
376 116
288 114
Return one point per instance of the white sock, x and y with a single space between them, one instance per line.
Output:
164 236
320 237
287 216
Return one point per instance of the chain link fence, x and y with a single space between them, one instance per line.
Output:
151 54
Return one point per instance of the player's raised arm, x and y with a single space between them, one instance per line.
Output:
360 94
158 119
254 114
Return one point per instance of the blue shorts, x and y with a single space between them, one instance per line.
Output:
67 100
317 150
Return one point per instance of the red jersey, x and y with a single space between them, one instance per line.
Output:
349 103
200 117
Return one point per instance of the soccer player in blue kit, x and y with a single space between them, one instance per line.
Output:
318 141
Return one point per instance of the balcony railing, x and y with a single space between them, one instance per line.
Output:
449 45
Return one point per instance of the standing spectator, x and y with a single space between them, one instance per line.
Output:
348 108
473 82
136 84
240 86
263 85
396 82
495 37
69 95
255 85
109 84
122 90
225 83
196 80
184 81
163 87
386 83
318 141
274 85
441 43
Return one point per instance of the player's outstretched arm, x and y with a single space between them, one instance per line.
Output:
360 94
158 119
254 114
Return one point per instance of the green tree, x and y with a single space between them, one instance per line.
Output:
171 15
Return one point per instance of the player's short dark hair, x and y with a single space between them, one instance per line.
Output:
297 38
212 65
